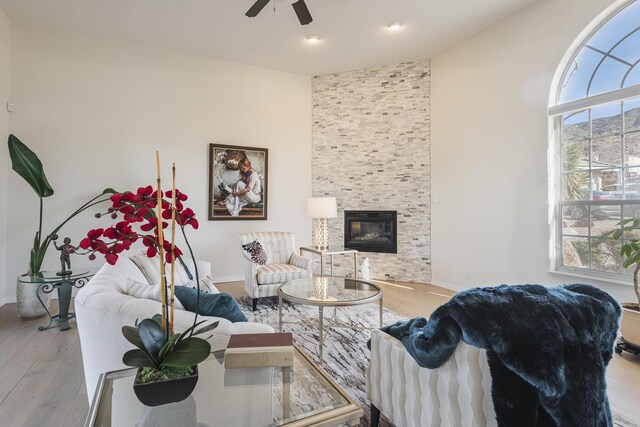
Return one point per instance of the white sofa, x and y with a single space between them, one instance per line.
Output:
102 308
284 264
458 393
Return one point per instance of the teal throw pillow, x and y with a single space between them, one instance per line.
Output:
217 305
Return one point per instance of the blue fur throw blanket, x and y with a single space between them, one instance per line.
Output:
548 349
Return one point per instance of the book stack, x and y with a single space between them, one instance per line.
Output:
259 350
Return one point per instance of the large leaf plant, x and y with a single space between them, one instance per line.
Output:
630 250
27 164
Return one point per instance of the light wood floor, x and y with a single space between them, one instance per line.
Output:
42 381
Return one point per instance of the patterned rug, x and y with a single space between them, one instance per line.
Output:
346 356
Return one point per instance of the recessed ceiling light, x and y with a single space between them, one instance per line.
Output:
312 38
394 26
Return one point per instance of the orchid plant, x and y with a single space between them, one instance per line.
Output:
144 214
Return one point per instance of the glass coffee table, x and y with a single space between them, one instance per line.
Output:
302 395
328 292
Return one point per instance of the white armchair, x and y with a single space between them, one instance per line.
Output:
456 394
283 264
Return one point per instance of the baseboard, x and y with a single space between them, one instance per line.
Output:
447 285
54 296
224 279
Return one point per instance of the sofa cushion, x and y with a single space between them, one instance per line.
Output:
206 284
150 267
271 274
216 305
152 292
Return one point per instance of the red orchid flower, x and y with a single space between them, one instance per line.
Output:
152 223
179 195
188 217
92 237
167 250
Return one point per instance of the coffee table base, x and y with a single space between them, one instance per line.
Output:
321 322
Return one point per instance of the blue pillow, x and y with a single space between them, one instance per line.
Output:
218 305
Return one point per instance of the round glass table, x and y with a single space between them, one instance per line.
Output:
48 281
328 292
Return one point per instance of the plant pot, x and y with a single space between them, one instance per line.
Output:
630 323
168 391
29 306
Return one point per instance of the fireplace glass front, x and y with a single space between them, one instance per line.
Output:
371 231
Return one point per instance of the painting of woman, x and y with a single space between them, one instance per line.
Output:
238 182
247 190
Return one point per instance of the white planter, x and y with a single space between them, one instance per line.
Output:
29 306
630 323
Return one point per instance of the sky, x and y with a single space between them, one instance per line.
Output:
610 74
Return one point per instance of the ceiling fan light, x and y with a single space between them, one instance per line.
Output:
394 26
312 39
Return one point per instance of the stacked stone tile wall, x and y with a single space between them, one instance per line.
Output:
371 150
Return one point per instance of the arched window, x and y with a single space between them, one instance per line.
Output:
597 126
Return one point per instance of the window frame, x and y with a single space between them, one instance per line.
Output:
556 114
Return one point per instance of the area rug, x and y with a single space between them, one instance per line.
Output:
346 356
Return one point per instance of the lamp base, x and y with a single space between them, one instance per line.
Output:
321 234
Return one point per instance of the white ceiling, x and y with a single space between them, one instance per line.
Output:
353 32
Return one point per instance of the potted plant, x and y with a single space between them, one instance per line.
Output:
27 164
630 323
167 367
166 361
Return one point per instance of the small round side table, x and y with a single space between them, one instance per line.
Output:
48 281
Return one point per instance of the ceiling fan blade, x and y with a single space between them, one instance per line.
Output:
303 12
256 8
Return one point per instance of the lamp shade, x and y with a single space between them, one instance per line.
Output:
322 207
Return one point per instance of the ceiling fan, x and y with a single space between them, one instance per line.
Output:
299 7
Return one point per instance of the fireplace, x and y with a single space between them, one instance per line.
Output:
371 231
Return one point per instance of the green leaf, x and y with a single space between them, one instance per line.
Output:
109 191
207 328
158 319
27 164
132 335
168 346
138 358
152 337
188 352
634 258
185 333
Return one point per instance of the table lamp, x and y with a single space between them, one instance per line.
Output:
320 209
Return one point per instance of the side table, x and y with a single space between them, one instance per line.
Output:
330 253
47 282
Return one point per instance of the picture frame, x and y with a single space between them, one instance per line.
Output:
237 182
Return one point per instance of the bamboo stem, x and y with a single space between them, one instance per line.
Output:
163 288
173 244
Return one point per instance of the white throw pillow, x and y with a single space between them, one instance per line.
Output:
152 292
150 267
206 285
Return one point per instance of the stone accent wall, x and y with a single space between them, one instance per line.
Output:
371 150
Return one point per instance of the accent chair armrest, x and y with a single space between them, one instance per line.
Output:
301 262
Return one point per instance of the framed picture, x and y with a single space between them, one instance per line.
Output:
237 182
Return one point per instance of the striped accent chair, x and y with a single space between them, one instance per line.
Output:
457 393
284 264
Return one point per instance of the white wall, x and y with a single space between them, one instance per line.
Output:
490 130
95 110
5 57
